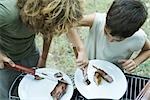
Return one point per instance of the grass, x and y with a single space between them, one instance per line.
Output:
61 55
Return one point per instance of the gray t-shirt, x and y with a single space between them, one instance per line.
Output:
98 47
15 39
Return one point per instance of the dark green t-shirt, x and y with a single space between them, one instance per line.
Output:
15 39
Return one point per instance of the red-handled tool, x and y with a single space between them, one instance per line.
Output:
31 71
21 68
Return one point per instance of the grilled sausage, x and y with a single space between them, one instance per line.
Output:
104 75
97 78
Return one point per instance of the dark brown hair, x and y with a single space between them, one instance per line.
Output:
125 17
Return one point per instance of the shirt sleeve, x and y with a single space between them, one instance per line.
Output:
3 15
98 22
139 40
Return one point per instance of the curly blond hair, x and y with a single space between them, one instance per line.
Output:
50 17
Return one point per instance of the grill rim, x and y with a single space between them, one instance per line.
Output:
76 95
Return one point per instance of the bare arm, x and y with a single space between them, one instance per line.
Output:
130 64
144 54
87 20
43 56
74 38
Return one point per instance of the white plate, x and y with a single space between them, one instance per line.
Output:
105 90
31 89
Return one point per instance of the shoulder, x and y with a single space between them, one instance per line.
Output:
8 9
100 17
87 20
90 19
3 14
98 21
138 40
140 35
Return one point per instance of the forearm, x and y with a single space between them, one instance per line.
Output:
78 47
74 38
46 45
143 55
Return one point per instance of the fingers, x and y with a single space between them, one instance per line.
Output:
128 65
84 71
81 63
1 65
6 59
131 69
122 61
1 60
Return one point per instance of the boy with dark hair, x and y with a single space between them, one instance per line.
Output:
116 36
125 17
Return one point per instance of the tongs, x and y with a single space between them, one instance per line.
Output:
84 71
32 71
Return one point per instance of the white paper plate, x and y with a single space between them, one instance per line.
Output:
31 89
105 90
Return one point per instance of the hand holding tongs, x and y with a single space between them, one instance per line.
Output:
32 71
84 70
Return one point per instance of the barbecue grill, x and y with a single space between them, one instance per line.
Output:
135 85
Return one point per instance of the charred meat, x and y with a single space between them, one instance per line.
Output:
97 78
37 77
59 90
104 75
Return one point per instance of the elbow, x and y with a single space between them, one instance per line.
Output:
149 53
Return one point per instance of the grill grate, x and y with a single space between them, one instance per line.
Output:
135 85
